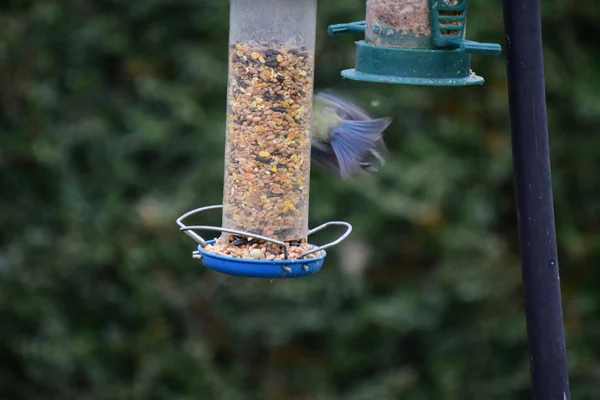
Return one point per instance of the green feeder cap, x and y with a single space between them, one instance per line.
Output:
431 52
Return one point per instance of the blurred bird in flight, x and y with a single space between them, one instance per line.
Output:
344 136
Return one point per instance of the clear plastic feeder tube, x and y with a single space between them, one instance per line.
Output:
399 23
269 105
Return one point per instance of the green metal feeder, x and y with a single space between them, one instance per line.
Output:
414 42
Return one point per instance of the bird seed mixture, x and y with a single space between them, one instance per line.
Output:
267 151
404 16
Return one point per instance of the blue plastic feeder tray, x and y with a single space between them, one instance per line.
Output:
271 269
261 268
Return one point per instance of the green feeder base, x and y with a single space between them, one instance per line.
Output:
430 67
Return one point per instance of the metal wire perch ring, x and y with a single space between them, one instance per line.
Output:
258 268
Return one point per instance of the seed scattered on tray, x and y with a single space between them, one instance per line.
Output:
258 250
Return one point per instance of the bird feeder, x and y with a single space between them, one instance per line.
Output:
414 42
264 229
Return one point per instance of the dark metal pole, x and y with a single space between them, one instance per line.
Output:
535 210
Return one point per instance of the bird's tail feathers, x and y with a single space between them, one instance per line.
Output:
352 140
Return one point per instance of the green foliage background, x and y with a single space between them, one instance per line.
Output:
112 125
